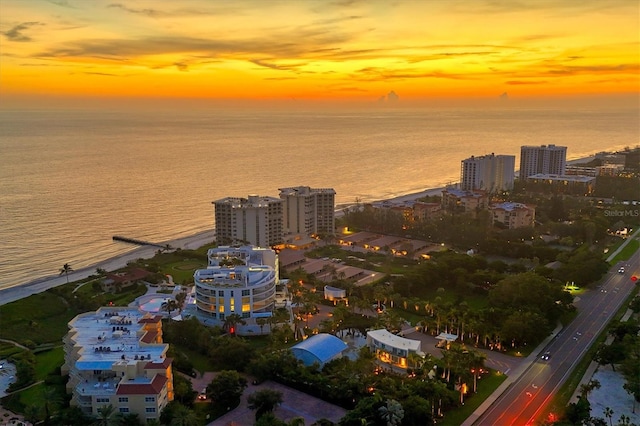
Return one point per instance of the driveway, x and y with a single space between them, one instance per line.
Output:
295 404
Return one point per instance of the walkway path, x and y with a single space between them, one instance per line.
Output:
14 343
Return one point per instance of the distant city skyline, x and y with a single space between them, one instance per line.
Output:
365 51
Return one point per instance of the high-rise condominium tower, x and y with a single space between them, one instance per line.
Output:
545 159
254 220
490 173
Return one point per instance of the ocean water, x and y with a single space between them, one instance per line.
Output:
71 179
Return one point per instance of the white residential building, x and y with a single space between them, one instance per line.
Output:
393 349
308 211
115 356
238 280
254 220
491 173
544 159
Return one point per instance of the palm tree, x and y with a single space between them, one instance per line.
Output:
261 322
170 306
608 413
231 321
52 399
66 268
264 401
392 413
105 414
587 388
180 298
184 417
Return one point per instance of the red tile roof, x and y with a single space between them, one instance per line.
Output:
149 337
152 388
159 365
150 320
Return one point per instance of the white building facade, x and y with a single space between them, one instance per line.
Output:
491 173
308 211
255 220
238 280
115 356
545 159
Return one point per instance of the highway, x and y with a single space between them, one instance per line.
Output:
526 400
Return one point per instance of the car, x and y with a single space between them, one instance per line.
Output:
202 395
545 356
621 270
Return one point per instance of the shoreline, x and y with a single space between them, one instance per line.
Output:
39 285
20 291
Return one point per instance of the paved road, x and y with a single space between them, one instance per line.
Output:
526 401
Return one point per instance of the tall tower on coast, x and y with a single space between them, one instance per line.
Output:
492 173
545 159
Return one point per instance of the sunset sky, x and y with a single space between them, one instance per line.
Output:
318 49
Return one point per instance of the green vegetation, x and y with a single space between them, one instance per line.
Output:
562 397
49 362
628 251
486 387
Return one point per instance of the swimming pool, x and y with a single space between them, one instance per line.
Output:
154 304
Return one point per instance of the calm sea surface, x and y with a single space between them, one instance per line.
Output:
70 180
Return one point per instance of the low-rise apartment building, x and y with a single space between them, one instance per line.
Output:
512 215
458 200
115 356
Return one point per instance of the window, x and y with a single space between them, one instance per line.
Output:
246 292
98 400
124 409
123 399
149 399
220 293
150 409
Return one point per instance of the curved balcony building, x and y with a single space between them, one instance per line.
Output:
238 280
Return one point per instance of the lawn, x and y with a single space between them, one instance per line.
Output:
48 362
37 319
182 270
626 253
200 362
43 317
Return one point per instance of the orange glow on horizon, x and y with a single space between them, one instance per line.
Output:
352 51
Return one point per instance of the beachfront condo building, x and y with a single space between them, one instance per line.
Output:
255 220
308 211
115 356
491 173
512 215
238 280
456 200
544 159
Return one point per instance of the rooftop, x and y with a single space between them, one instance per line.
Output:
568 178
509 206
113 335
391 339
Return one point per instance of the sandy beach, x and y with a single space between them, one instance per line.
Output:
12 294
